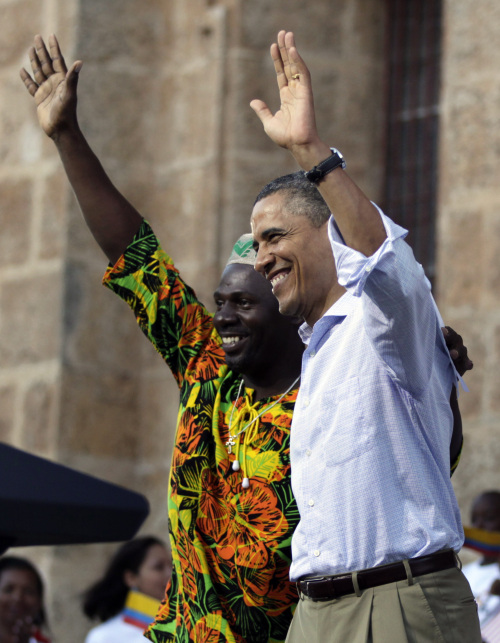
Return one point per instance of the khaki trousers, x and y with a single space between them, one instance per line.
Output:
437 607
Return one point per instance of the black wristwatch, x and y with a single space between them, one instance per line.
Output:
318 172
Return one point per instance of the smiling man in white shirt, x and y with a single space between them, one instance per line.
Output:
374 552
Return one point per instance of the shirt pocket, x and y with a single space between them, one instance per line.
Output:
347 433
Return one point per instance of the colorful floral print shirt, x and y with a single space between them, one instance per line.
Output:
230 546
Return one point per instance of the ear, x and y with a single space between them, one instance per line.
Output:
130 579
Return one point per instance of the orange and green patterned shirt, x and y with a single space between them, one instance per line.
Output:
231 547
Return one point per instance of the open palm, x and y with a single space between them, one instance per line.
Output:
52 86
294 123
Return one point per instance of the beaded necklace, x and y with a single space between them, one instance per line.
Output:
232 442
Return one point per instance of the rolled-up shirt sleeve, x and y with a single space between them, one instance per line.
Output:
399 313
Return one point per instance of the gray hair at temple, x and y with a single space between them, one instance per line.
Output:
243 251
301 197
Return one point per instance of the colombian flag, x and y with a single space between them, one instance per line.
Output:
140 610
485 542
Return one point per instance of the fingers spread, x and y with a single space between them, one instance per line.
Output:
43 56
29 83
55 53
36 66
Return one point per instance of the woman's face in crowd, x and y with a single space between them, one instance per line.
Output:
19 597
153 574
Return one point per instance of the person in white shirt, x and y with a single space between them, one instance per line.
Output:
374 554
128 595
483 574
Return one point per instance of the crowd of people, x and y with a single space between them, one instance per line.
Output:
318 424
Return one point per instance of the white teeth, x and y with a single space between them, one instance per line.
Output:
278 278
231 340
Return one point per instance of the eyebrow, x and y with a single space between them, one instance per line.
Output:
233 293
266 234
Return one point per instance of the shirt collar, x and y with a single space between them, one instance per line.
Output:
341 308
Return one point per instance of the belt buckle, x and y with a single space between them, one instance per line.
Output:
331 593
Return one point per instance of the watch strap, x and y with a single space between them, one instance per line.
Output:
318 172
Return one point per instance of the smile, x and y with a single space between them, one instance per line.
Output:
278 278
230 341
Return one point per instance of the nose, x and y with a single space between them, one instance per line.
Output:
225 314
263 261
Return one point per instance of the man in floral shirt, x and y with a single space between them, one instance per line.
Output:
237 373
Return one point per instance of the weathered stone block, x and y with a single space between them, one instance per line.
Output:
113 115
460 242
312 22
15 221
39 417
471 136
494 397
131 33
491 252
54 212
8 395
99 414
20 21
471 28
188 118
97 326
31 319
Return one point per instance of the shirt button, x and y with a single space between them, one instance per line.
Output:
312 353
306 402
368 268
308 452
316 552
311 503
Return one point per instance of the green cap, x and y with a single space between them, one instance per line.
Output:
243 251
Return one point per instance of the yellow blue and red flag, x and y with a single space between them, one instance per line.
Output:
483 541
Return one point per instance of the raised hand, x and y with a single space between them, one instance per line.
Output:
52 86
294 125
111 218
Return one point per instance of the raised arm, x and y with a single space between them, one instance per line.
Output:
293 127
110 217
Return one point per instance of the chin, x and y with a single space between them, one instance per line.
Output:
288 309
236 364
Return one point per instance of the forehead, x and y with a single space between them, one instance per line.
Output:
155 552
241 278
487 503
18 577
273 206
274 213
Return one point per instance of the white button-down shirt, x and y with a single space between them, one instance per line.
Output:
371 431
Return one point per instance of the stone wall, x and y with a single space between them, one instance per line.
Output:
164 96
469 227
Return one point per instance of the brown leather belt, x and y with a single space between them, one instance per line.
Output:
329 587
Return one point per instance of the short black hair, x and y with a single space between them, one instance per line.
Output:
302 197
